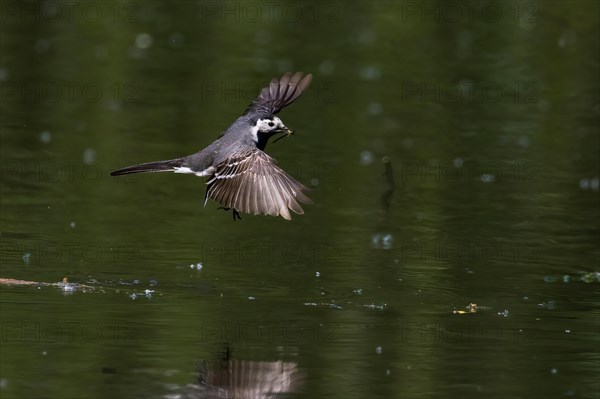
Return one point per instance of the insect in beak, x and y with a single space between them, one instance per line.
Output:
286 132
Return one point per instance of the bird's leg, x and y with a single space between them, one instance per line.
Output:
236 214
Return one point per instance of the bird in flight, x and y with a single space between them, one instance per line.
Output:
240 175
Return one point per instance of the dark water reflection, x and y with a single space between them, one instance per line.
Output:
490 127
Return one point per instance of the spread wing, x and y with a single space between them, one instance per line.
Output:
280 93
250 181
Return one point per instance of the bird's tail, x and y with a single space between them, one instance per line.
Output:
159 166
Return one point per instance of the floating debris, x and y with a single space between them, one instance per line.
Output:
551 305
65 285
590 277
471 308
373 306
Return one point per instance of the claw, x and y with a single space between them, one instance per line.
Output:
236 214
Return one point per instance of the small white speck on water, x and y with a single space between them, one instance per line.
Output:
458 162
382 241
26 257
554 370
317 274
379 350
197 266
44 353
72 225
251 298
176 40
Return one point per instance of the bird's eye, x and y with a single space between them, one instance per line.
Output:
271 124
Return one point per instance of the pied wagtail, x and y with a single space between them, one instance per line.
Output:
241 176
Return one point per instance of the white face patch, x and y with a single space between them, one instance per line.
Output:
265 126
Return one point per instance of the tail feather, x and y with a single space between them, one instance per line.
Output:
159 166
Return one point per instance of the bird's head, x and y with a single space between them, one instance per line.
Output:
266 127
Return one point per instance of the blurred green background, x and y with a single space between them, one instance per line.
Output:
486 111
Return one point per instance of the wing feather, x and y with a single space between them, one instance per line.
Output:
280 93
250 181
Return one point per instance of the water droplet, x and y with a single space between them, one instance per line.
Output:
89 156
366 157
327 67
375 108
387 241
263 37
143 41
366 37
370 73
45 137
523 141
584 184
42 46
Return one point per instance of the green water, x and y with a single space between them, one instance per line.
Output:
487 112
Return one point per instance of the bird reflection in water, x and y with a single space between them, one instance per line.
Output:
234 378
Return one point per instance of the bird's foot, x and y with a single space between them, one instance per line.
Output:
236 214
